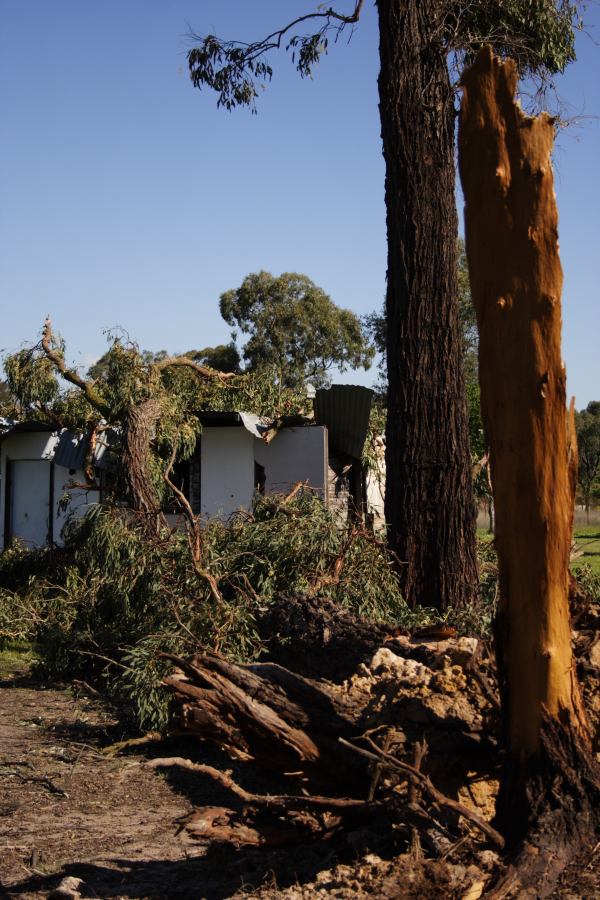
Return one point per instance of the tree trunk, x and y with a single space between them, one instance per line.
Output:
138 433
429 500
490 515
550 785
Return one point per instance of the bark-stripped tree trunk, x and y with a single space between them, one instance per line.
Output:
429 499
516 280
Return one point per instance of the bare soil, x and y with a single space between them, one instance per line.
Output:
69 809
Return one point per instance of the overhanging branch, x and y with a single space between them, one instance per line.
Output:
234 68
71 375
205 371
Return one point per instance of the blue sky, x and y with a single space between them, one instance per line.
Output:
127 198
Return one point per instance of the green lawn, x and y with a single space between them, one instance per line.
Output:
587 538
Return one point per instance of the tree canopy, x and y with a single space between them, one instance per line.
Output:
156 396
539 36
587 423
294 329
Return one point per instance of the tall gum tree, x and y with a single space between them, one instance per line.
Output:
429 502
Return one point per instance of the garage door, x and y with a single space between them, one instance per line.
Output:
29 510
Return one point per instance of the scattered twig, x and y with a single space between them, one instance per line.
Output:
83 685
414 795
486 687
36 779
378 768
153 737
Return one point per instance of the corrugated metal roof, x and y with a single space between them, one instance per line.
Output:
256 425
345 410
24 427
72 448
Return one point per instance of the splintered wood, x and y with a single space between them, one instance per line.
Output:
511 228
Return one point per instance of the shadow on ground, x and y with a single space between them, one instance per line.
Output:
219 873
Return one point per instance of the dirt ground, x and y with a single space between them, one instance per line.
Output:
68 809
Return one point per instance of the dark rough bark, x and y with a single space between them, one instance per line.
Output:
139 430
429 500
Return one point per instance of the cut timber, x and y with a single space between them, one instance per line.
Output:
516 280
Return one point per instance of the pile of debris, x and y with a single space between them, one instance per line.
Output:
407 739
370 732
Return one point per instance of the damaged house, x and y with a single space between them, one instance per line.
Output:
43 479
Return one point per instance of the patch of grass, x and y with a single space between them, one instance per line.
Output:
587 538
17 655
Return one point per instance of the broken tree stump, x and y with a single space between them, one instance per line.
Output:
511 223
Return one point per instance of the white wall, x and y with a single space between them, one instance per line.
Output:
295 454
376 486
78 501
38 446
227 470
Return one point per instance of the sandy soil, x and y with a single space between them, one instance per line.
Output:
68 809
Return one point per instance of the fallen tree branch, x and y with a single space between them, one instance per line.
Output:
57 358
289 801
184 361
153 737
276 820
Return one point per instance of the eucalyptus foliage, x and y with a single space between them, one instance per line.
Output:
294 330
113 598
538 34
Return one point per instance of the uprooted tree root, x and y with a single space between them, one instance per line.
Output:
351 740
404 744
